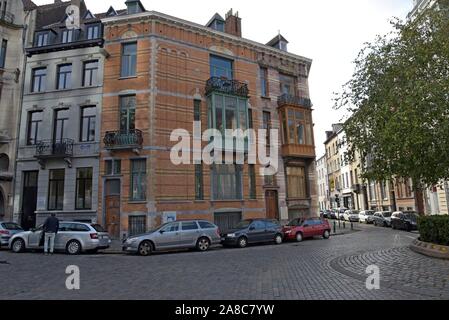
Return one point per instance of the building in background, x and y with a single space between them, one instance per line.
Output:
333 160
163 73
58 152
323 184
16 29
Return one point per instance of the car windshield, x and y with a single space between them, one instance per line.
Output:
412 216
386 214
295 223
244 224
369 213
11 226
354 212
98 228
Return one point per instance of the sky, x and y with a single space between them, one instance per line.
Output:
329 32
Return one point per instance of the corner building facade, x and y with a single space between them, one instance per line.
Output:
164 73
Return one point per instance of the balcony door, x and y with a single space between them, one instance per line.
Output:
29 199
112 207
127 114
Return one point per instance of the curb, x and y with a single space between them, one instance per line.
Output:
430 249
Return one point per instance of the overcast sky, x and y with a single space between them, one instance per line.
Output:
328 31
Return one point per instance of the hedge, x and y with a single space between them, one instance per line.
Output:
434 229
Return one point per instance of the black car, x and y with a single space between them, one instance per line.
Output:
253 231
407 220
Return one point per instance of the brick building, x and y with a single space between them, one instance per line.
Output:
163 73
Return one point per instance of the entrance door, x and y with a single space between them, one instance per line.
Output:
112 208
29 199
271 199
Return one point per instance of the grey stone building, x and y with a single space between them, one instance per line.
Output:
59 134
16 29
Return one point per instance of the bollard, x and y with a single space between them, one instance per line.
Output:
335 227
352 226
339 224
344 224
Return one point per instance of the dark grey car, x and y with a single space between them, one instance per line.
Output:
253 231
199 234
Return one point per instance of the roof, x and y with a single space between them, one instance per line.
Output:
52 14
215 17
276 40
28 5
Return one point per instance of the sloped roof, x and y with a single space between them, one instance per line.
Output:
52 14
215 17
28 5
276 40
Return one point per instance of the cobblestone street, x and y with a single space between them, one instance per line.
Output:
314 269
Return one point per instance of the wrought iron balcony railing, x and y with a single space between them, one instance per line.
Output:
287 99
55 149
7 17
223 85
131 139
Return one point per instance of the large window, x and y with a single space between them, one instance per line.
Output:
267 126
93 32
56 190
287 84
264 82
34 127
129 60
84 189
127 113
64 76
297 127
39 79
61 123
252 181
68 36
88 117
113 167
42 39
227 182
3 53
221 67
138 180
199 185
90 73
228 112
197 110
296 183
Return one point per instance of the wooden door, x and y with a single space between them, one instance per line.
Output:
112 208
271 199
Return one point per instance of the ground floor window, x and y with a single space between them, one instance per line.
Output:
296 182
56 190
137 225
84 189
138 179
227 182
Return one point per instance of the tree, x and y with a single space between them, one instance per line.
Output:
398 103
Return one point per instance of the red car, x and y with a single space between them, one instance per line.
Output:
300 229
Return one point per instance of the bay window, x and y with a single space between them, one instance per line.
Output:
297 127
296 182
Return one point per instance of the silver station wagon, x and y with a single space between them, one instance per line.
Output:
199 234
72 238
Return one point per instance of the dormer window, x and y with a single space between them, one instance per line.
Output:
93 31
68 35
134 6
278 42
217 23
42 39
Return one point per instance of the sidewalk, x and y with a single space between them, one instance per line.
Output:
114 248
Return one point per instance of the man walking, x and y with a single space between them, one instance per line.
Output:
51 227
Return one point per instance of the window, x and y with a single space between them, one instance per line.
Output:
61 121
252 181
250 119
383 190
172 227
127 113
226 182
220 67
3 53
64 76
297 127
56 190
84 189
267 125
138 179
199 185
42 39
88 117
39 79
68 35
186 226
229 112
76 227
206 225
264 81
90 74
372 190
129 59
287 84
258 225
93 32
197 110
137 225
34 127
113 167
296 182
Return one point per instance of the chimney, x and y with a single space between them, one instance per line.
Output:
76 3
233 24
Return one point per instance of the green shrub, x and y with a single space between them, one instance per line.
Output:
434 229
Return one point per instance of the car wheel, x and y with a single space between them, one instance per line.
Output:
203 244
326 234
145 248
278 239
299 237
18 246
73 247
242 242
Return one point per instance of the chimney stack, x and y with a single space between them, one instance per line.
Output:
233 24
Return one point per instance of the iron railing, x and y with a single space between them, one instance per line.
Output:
294 100
123 139
223 85
7 17
59 148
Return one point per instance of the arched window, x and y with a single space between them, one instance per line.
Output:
4 162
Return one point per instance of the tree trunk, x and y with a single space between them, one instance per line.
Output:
419 201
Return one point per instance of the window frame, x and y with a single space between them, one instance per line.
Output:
67 77
199 182
42 80
141 174
30 127
3 51
288 123
96 30
298 193
91 73
89 123
85 181
217 180
127 108
264 86
59 191
214 68
129 60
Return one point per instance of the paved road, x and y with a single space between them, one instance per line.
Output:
314 269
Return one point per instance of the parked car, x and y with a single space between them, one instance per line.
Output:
187 234
382 219
299 229
327 214
366 216
334 214
7 230
351 215
341 212
407 220
72 237
253 231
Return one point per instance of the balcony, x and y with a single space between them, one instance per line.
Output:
123 140
295 101
54 149
297 150
226 86
7 17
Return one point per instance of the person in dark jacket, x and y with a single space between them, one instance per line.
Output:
51 227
